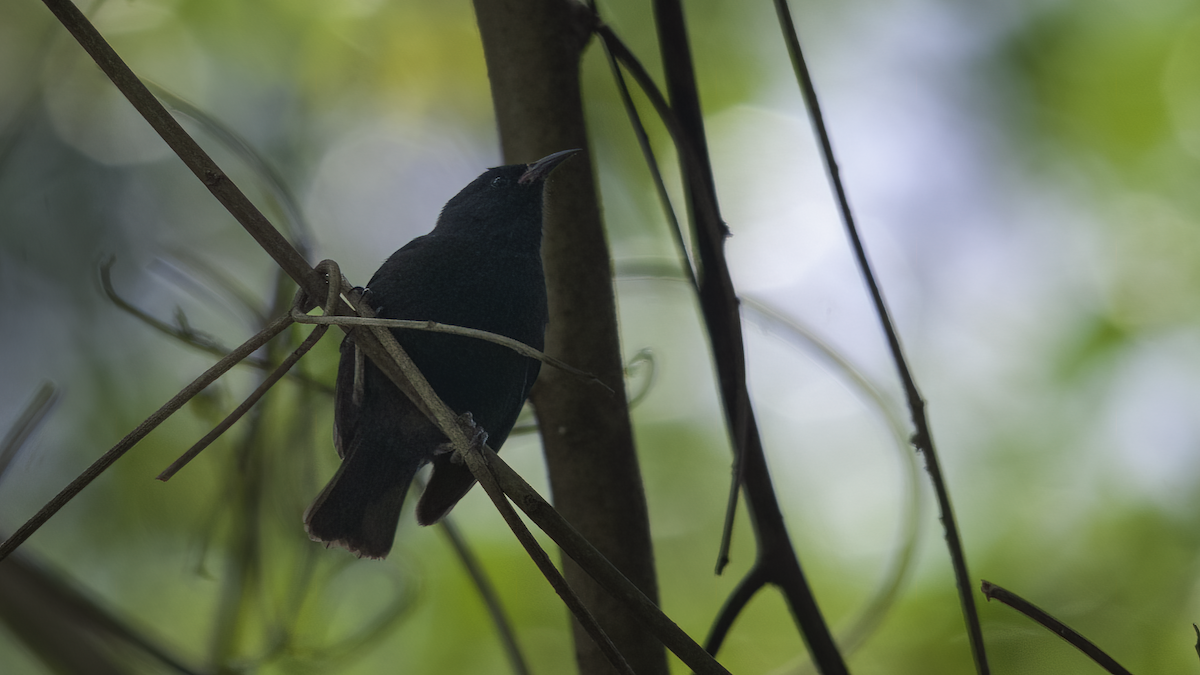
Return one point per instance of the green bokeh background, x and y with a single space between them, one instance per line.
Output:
1026 176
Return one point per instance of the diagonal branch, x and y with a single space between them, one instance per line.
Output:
377 343
487 592
501 481
922 438
117 451
992 591
435 327
188 150
263 387
23 427
186 335
546 566
776 561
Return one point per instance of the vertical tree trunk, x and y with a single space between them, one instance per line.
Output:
533 50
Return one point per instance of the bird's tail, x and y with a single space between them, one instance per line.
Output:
449 483
360 507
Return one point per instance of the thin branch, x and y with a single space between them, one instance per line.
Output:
183 268
70 631
237 413
992 591
745 590
435 327
719 304
205 169
621 52
922 437
580 611
660 187
188 336
487 591
718 300
692 164
301 300
183 334
487 466
117 451
876 608
643 359
23 427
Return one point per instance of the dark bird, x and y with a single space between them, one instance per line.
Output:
480 267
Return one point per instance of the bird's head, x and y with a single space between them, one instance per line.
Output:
503 200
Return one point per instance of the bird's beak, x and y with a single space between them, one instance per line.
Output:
542 168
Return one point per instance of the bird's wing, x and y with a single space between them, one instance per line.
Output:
347 396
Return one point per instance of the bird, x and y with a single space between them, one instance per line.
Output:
479 267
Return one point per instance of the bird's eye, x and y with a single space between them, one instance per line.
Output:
498 181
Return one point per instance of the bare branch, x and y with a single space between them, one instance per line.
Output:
487 592
188 336
922 438
435 327
22 428
992 591
231 419
488 467
777 561
579 610
149 424
330 268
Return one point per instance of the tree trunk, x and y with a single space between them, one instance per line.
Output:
533 50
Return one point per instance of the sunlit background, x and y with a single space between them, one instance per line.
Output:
1025 176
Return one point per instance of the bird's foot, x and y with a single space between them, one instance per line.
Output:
477 435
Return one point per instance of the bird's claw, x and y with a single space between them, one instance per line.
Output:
477 435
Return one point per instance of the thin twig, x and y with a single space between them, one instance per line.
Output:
435 327
1055 626
590 560
237 413
334 272
718 299
186 334
193 275
660 187
107 459
580 611
39 406
754 581
189 337
196 159
777 560
922 438
401 371
487 591
876 608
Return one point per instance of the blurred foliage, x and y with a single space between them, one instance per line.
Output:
1052 316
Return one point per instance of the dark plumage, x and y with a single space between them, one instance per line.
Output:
480 267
